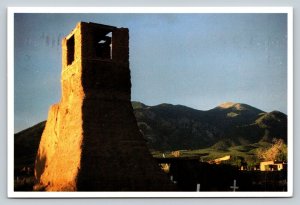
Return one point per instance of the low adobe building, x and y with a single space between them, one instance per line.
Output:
272 166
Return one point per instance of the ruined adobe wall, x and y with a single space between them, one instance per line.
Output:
59 155
91 141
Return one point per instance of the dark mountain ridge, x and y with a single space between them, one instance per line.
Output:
168 127
175 127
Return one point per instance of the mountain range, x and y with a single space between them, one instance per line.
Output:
177 127
168 127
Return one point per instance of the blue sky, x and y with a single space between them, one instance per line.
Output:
197 60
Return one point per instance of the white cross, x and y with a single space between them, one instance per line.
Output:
198 187
234 187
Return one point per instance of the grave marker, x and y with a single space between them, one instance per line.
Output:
198 187
234 187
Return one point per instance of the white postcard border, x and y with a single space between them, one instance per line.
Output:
10 100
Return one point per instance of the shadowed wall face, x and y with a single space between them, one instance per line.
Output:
97 146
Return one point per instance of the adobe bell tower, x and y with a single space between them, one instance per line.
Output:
91 141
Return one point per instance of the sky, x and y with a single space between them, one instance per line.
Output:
196 60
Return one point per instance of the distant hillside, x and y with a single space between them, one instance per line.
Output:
176 127
26 145
169 127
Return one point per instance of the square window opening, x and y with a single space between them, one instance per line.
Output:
103 47
70 50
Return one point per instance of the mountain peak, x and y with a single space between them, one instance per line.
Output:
235 106
226 105
238 107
